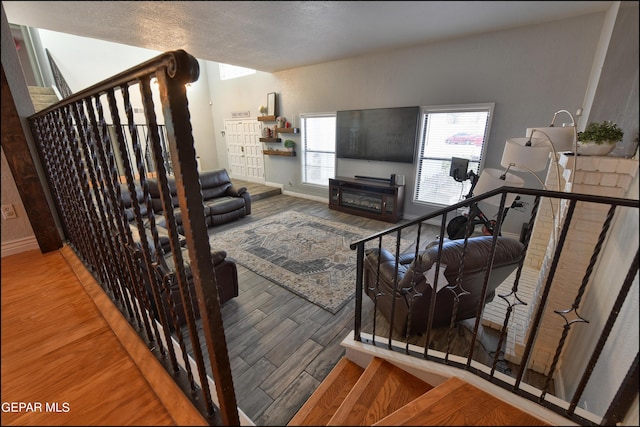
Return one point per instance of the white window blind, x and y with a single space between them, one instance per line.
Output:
318 148
455 131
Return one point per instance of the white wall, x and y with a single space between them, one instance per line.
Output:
616 98
17 234
17 228
98 59
597 302
84 62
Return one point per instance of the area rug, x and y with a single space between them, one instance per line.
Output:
305 254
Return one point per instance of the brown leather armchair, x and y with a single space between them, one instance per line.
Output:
411 275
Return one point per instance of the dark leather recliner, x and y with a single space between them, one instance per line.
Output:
125 195
507 257
226 280
222 201
225 268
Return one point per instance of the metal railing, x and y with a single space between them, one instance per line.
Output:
143 136
92 151
373 327
58 78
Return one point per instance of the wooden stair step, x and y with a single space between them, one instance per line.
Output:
324 402
455 403
260 196
382 389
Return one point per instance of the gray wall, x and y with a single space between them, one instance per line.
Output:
529 73
616 96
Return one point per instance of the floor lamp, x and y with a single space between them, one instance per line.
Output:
529 154
559 139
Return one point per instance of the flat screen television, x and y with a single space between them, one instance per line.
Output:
383 134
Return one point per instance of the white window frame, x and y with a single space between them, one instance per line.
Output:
228 71
304 151
454 108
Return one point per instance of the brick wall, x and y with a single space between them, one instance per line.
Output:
603 176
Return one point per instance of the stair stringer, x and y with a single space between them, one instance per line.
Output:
435 374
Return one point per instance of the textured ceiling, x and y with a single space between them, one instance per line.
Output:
277 35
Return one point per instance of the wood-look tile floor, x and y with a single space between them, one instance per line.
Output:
280 345
62 359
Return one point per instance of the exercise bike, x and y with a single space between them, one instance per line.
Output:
457 226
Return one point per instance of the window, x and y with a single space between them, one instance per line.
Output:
318 148
453 131
232 71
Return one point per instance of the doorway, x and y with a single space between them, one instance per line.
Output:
244 150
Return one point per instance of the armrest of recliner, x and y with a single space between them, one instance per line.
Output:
406 258
217 256
244 193
236 192
387 263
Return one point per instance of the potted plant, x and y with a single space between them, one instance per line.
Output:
599 139
289 144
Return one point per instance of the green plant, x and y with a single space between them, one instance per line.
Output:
289 143
600 133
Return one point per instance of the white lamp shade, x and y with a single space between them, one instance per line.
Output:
562 138
521 157
490 180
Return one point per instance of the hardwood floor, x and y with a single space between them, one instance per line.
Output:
66 353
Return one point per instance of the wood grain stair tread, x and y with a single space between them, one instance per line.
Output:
382 389
324 402
456 402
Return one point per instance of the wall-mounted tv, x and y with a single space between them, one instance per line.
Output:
383 134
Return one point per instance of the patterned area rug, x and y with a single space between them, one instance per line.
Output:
305 254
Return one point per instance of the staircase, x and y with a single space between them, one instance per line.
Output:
42 97
384 394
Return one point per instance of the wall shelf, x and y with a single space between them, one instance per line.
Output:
266 118
270 140
279 153
287 130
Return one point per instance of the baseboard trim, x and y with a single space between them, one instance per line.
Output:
19 245
305 196
274 184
